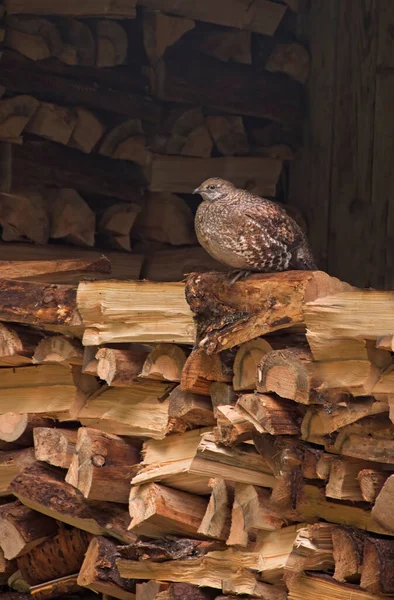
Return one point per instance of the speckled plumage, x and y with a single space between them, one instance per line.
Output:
247 232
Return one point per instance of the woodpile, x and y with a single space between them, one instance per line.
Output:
239 442
142 100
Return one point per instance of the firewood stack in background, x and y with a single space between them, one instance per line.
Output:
112 113
162 441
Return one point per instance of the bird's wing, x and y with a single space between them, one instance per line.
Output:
271 220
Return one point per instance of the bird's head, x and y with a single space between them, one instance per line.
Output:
214 189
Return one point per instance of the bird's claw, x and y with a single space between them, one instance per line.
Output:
239 275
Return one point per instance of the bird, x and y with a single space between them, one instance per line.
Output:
248 233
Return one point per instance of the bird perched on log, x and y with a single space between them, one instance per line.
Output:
248 233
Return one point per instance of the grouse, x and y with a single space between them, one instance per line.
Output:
248 233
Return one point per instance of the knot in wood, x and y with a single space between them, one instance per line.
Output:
98 460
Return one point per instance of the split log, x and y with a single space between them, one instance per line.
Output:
99 572
271 415
377 577
118 304
259 94
115 225
348 548
290 58
140 410
183 132
71 218
161 31
218 306
43 489
246 361
89 364
87 132
179 591
115 144
181 174
157 511
191 409
310 588
312 504
59 349
174 264
200 370
50 390
164 363
17 428
102 466
92 174
165 218
312 551
120 368
192 459
318 421
343 483
22 529
111 43
56 557
232 426
229 135
52 122
265 20
79 44
35 270
149 589
222 394
12 463
310 462
36 38
382 510
15 114
74 8
17 345
24 217
216 521
55 446
324 347
371 483
227 45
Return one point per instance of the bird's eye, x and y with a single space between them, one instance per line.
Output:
212 187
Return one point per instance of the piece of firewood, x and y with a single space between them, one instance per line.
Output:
310 588
102 466
58 349
164 363
99 572
270 414
198 143
324 347
43 489
18 428
232 426
17 345
90 362
290 58
15 114
192 459
120 368
246 361
120 133
312 551
157 510
115 225
200 370
111 43
101 8
227 45
12 463
79 46
53 122
87 132
165 218
71 218
24 217
22 529
140 410
216 521
161 31
192 409
56 557
46 270
44 591
36 38
371 482
376 576
183 132
222 394
149 590
217 305
55 446
252 511
310 461
382 510
348 547
342 482
182 591
229 135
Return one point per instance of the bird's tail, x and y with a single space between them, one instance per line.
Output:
303 260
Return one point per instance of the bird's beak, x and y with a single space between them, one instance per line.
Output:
197 190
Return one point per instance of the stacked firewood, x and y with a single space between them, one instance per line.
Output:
112 113
236 442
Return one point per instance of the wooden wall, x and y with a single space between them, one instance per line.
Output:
344 178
